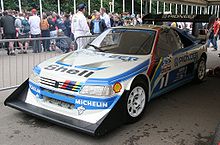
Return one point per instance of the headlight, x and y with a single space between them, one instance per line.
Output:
100 91
35 78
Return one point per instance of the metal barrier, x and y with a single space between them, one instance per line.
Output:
14 70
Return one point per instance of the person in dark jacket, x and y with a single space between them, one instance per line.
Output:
97 25
8 24
67 23
60 25
53 32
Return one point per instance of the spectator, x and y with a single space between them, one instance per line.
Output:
23 28
105 17
79 26
67 23
89 20
118 21
34 22
60 25
139 20
53 32
111 16
8 24
216 31
214 34
97 25
64 44
45 32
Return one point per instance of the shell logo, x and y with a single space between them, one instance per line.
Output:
117 87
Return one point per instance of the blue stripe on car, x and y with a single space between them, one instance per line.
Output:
37 70
122 77
90 68
89 103
63 64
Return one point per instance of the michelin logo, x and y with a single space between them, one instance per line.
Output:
91 103
81 110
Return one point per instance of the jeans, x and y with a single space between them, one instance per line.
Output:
36 44
46 43
214 42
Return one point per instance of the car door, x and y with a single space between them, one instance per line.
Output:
183 57
162 63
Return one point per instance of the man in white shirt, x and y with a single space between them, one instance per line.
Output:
105 17
34 22
79 25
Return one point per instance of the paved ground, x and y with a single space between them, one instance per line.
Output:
186 116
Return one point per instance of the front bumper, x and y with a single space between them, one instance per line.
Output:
110 121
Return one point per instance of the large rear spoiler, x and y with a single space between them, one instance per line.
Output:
195 19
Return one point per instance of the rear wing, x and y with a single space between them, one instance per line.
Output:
195 19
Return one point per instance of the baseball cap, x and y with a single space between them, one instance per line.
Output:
33 10
81 6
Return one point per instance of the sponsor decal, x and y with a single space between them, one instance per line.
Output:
57 68
120 57
91 103
81 110
166 66
35 89
124 58
181 73
185 58
178 16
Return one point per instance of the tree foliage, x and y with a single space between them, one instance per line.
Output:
68 5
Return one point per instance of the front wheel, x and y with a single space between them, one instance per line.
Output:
201 70
136 101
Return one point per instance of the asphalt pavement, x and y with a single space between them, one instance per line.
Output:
185 116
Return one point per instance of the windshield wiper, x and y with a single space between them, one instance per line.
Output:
96 47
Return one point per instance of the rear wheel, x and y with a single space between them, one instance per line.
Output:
201 70
136 101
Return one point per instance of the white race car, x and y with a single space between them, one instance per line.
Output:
111 80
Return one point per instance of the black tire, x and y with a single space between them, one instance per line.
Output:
216 139
200 73
137 84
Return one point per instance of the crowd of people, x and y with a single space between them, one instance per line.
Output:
17 25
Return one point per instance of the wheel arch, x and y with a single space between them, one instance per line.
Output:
141 77
204 55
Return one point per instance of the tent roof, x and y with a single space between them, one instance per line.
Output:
196 2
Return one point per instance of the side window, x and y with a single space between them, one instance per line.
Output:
164 45
176 41
186 42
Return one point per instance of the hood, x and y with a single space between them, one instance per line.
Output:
87 64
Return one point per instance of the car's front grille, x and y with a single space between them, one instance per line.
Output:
59 103
67 85
57 93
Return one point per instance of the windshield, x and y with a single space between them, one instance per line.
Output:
124 41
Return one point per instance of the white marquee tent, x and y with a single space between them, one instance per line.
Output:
185 6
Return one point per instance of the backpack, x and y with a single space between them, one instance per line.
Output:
44 25
25 26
